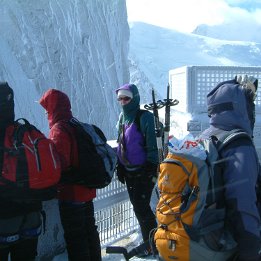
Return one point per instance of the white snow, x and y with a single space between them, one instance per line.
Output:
155 50
135 238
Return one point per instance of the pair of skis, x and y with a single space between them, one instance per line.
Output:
162 151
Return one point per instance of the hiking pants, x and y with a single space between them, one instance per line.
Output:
19 236
80 232
21 251
140 190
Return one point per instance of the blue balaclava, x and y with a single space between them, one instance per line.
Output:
130 109
231 105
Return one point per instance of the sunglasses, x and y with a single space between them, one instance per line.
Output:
126 98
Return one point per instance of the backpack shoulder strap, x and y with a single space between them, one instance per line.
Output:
99 132
138 117
136 120
235 137
65 126
21 126
2 141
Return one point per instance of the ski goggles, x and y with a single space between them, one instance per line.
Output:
125 98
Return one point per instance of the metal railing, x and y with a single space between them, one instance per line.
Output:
114 213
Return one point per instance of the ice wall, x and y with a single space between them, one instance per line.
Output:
79 47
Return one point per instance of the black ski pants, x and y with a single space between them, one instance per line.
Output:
140 189
21 251
80 232
27 227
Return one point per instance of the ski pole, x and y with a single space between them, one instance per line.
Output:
154 106
167 103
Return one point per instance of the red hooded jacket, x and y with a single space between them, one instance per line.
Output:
58 108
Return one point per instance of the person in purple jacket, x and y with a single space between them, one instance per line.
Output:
137 157
231 106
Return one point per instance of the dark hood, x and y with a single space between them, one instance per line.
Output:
130 109
7 114
231 106
57 105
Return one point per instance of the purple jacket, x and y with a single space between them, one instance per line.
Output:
131 151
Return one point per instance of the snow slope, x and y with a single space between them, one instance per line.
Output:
155 50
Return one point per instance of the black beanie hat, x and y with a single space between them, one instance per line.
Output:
6 103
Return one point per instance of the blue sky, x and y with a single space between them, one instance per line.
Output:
186 15
249 5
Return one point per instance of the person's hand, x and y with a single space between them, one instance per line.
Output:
151 170
150 167
120 170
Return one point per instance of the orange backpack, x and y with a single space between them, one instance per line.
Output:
188 219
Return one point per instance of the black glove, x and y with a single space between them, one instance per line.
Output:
151 170
234 257
120 170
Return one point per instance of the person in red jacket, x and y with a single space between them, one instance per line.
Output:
75 201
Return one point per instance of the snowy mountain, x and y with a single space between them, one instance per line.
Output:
231 31
155 51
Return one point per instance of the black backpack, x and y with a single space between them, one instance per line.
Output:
97 159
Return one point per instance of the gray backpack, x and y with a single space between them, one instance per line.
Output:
190 187
97 159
